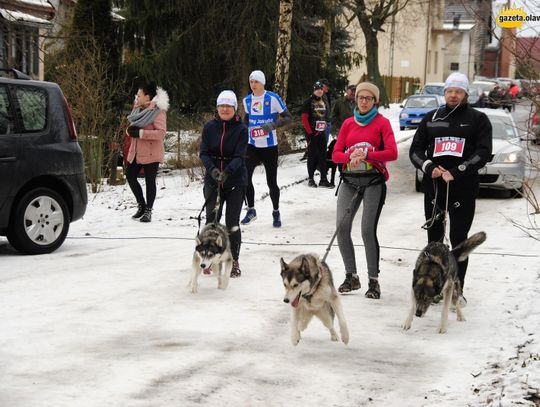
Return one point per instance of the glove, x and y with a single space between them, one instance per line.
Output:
215 174
267 127
133 131
222 177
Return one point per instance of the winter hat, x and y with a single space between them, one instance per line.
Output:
457 80
317 85
227 97
370 87
257 76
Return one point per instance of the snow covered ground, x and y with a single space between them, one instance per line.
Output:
107 320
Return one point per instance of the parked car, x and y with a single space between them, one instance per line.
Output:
506 169
433 88
416 107
477 97
535 126
43 185
486 86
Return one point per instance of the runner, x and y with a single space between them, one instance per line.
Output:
262 109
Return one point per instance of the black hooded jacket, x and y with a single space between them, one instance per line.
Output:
223 146
460 141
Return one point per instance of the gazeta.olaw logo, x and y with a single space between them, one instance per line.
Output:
512 17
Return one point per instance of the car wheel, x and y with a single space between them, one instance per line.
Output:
40 222
401 127
516 193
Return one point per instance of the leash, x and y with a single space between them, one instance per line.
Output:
444 214
215 210
374 181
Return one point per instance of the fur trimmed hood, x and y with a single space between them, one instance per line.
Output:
161 99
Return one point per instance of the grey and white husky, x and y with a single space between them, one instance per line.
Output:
435 273
309 288
212 254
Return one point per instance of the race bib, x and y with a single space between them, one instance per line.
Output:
258 132
449 146
320 125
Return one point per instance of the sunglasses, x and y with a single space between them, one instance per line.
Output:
366 98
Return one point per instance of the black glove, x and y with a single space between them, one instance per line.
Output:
222 177
133 131
429 169
215 174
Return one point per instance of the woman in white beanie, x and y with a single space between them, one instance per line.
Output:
450 145
222 152
364 144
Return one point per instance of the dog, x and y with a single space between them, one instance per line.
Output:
309 288
435 272
212 254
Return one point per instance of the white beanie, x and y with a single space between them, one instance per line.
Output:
227 97
257 76
457 80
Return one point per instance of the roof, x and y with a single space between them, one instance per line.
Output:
20 17
455 10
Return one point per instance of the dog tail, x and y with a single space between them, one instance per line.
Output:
462 251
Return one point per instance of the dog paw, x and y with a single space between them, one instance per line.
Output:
295 338
441 330
461 318
345 337
334 338
406 326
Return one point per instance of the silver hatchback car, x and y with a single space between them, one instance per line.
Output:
506 169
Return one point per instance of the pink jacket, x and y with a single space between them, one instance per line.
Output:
149 147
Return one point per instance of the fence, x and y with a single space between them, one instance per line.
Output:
398 87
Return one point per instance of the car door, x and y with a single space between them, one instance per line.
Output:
9 148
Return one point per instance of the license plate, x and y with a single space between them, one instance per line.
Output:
414 121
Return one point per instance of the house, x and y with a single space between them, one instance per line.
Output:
528 55
23 26
430 40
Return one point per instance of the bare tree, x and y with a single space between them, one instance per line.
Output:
372 15
84 77
283 52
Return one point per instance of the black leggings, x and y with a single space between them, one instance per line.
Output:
234 198
150 173
316 155
461 218
268 156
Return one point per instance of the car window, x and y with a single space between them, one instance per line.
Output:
502 129
421 102
33 104
7 125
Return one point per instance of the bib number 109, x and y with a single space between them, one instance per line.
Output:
449 146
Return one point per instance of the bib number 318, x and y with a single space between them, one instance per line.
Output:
258 132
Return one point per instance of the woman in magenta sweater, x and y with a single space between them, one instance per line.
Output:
365 143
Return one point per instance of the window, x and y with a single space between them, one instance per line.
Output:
7 125
454 66
33 104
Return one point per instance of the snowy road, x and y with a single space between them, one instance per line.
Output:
107 320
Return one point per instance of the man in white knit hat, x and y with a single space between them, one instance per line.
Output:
451 144
265 112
